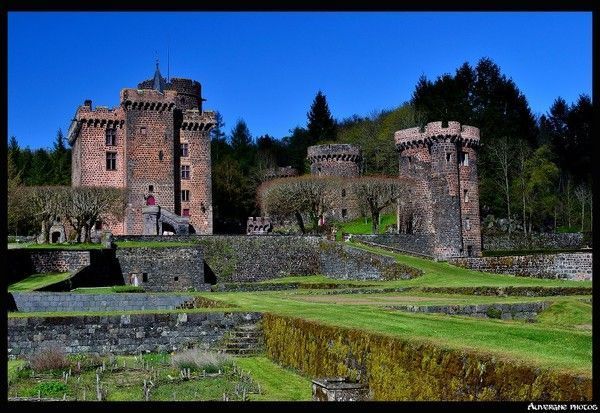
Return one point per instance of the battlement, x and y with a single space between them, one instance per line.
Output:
259 225
414 137
194 119
179 85
337 152
146 99
280 172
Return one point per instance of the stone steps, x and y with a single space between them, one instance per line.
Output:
244 340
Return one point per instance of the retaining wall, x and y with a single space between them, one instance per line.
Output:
517 311
398 369
417 244
571 266
50 301
536 241
123 334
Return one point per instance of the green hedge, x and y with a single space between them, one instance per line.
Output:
396 369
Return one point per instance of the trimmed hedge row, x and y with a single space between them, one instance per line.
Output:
396 369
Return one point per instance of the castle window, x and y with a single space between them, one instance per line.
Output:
111 161
185 195
448 156
469 250
464 159
467 224
466 195
160 155
98 225
409 162
145 277
184 149
344 213
111 137
343 192
143 131
185 172
150 188
185 212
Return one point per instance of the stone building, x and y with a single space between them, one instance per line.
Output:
443 162
154 144
343 161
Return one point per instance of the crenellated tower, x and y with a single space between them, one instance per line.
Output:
156 145
443 162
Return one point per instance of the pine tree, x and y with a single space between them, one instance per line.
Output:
321 125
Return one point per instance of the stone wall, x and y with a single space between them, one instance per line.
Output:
49 301
417 244
347 263
517 311
536 241
123 334
164 269
572 266
24 262
264 257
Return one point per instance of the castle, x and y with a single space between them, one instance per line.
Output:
443 163
155 144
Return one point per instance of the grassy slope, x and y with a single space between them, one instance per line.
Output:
36 281
541 344
362 226
277 383
442 274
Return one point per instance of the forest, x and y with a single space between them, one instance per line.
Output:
535 171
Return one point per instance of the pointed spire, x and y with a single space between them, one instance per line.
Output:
158 81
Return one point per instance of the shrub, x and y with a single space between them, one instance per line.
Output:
49 359
197 360
492 312
85 361
48 389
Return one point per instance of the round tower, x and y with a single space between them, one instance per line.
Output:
443 159
342 160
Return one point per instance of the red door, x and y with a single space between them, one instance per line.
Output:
150 200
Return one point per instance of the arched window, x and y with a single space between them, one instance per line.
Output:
150 200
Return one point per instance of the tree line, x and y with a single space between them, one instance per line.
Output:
534 171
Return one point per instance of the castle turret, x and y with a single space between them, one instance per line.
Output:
442 159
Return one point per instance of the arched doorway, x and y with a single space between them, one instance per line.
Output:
55 237
150 200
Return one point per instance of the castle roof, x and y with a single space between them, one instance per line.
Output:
158 82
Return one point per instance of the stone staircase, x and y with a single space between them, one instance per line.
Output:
244 340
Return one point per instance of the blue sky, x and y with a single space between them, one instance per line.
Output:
266 67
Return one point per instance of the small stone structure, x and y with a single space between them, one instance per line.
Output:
571 266
159 221
339 389
259 226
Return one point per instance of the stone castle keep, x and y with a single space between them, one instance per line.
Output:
155 144
443 162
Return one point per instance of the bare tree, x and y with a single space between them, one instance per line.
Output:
523 154
378 192
500 152
85 205
583 195
298 197
46 205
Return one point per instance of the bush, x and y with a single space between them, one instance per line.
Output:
198 360
49 359
492 312
48 389
86 361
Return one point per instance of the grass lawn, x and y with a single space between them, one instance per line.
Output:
542 344
276 382
363 225
36 281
